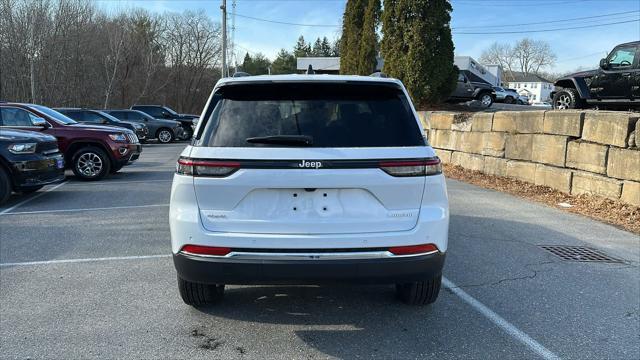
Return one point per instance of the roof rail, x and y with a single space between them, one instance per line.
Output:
240 74
379 74
310 70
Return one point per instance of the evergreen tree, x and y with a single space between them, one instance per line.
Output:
285 63
335 48
301 49
317 48
368 51
351 32
325 47
358 45
418 49
256 65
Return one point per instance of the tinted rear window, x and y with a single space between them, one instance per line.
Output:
333 115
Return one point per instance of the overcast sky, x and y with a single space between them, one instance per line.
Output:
575 48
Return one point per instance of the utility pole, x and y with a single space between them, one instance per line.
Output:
223 7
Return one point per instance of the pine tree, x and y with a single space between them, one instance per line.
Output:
317 48
247 63
418 48
368 50
301 49
256 65
325 47
285 63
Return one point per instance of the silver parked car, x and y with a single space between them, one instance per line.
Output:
505 95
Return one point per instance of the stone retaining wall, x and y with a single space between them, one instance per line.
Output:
576 152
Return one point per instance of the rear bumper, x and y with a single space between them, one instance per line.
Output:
220 270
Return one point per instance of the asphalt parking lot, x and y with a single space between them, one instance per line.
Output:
85 272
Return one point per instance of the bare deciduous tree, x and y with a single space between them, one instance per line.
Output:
76 55
527 56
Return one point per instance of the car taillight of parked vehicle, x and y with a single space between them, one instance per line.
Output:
422 167
193 167
397 168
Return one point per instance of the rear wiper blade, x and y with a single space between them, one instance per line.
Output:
282 140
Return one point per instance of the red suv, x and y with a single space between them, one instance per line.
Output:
91 151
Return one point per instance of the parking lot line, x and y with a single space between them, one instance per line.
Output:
31 198
67 261
111 182
499 321
82 209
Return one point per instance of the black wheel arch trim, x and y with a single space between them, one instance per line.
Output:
83 143
576 83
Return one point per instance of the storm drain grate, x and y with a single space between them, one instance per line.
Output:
580 253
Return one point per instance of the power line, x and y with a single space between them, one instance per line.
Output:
548 22
283 22
545 30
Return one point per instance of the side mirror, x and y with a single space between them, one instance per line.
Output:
604 64
40 122
104 121
166 115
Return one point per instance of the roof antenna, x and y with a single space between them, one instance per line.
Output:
310 70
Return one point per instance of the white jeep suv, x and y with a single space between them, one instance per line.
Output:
308 179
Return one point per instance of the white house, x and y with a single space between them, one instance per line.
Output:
534 86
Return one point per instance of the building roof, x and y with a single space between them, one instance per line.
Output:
516 76
319 63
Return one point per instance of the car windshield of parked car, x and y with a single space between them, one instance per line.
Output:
58 117
330 115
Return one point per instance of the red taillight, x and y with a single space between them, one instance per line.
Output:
431 166
206 250
195 167
413 249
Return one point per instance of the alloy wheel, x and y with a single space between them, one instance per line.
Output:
164 136
486 100
89 164
563 102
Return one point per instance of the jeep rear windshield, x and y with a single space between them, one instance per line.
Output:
311 114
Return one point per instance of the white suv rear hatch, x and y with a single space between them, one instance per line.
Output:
302 158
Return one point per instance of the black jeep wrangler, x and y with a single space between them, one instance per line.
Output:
615 84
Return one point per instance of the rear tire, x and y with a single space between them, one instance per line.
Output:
196 294
485 99
567 99
421 292
5 186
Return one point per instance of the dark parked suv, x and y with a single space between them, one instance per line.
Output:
98 117
466 90
615 83
28 161
165 131
91 151
164 112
